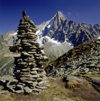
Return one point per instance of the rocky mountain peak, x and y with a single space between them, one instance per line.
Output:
59 15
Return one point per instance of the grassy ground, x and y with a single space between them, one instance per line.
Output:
58 89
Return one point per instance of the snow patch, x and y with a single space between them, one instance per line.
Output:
52 40
98 37
40 38
38 31
48 26
50 23
13 34
71 44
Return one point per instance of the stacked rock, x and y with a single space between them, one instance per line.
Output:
28 71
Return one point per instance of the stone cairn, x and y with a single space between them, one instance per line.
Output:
29 75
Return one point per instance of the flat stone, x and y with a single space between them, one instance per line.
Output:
24 41
24 23
41 87
20 87
70 78
58 99
35 69
21 31
29 60
33 47
42 58
24 73
36 90
27 90
42 51
34 72
39 79
31 41
29 30
23 63
26 76
31 36
18 91
5 78
41 84
30 63
25 53
38 55
21 36
35 76
34 84
31 52
14 80
28 79
25 70
31 33
27 44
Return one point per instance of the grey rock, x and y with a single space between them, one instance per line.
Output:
18 91
20 87
27 90
95 80
36 90
97 87
42 88
70 78
59 99
35 69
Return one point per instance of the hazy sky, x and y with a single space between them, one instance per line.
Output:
42 10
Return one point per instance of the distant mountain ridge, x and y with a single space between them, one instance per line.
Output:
7 39
61 29
57 35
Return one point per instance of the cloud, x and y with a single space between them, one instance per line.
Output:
69 13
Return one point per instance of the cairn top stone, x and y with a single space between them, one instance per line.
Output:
24 13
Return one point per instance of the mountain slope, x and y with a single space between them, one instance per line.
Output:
7 39
82 59
6 63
